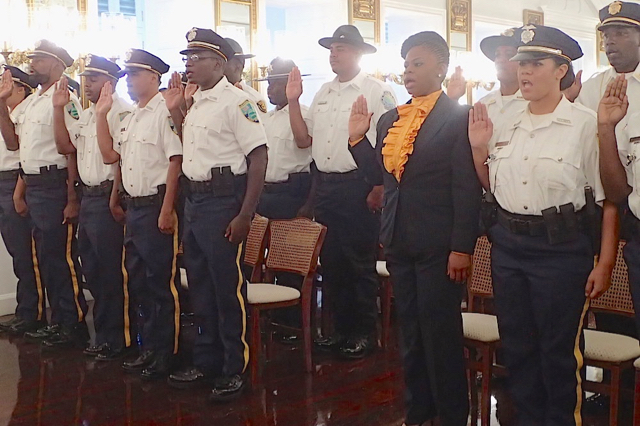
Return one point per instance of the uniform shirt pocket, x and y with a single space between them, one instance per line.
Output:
498 157
559 165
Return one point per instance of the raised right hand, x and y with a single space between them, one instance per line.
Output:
360 119
294 85
480 126
174 95
61 95
105 102
574 90
614 104
6 85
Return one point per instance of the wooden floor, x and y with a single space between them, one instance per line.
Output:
65 388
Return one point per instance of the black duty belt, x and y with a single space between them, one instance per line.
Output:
296 183
339 177
522 224
104 189
49 176
147 200
9 175
219 186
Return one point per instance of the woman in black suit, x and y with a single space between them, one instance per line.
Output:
429 226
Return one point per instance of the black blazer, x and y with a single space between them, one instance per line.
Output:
436 205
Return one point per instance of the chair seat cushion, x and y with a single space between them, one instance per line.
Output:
610 347
480 327
381 268
259 293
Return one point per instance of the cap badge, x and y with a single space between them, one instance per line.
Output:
127 55
341 36
38 44
192 34
615 7
87 61
527 36
508 32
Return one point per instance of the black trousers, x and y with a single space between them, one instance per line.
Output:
150 263
16 234
100 243
217 287
56 248
428 304
348 255
540 303
632 259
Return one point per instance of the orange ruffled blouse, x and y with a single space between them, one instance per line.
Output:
398 144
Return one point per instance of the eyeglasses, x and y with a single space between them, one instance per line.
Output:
195 57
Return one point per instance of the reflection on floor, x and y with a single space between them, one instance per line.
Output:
65 388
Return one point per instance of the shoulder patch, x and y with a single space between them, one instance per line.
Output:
249 112
123 115
388 101
172 125
262 106
72 111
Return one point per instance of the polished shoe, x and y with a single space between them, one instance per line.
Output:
76 336
357 348
42 333
5 325
113 354
290 339
227 389
137 365
596 404
158 369
21 327
97 349
189 378
329 343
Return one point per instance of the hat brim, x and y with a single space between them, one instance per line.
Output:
43 54
618 23
202 49
326 42
135 67
243 56
278 77
489 45
87 73
526 56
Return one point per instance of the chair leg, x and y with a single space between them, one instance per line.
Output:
614 397
636 400
473 388
307 337
487 363
254 347
385 305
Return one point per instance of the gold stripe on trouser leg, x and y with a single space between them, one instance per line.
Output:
125 290
242 308
72 270
577 413
36 271
172 286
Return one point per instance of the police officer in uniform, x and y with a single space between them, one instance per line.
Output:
233 72
225 159
150 155
543 172
100 237
50 194
344 201
16 228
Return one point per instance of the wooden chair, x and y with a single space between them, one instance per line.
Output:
385 292
481 334
636 394
609 351
255 246
294 246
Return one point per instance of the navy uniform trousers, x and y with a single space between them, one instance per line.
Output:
349 253
16 234
541 306
217 287
150 263
632 259
56 248
100 242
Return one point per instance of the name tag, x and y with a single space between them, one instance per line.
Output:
502 144
322 102
635 139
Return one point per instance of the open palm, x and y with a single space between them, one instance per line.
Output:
360 119
614 104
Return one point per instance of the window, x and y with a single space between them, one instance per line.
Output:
128 7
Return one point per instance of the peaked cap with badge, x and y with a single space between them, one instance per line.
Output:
199 39
540 42
20 77
621 13
141 59
50 49
279 69
97 65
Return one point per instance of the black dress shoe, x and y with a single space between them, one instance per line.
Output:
596 404
42 333
97 349
76 336
5 325
113 354
357 348
290 339
227 389
20 327
329 343
189 378
137 365
158 369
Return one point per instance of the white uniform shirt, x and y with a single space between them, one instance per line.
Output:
536 166
84 137
328 119
501 109
147 143
284 155
33 118
222 127
256 97
9 160
630 158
